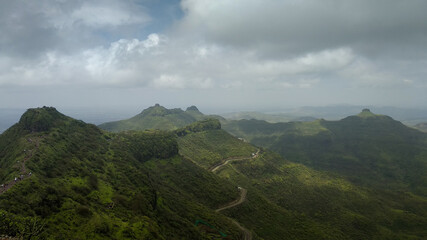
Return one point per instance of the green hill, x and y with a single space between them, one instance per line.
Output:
157 117
291 200
209 144
77 182
368 149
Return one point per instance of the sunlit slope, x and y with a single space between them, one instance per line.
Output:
289 199
371 150
88 184
209 146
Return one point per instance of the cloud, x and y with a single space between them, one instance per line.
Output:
99 14
30 29
283 28
159 62
257 47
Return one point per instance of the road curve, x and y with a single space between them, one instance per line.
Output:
236 202
234 159
247 235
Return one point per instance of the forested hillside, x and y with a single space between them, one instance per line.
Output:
82 183
65 179
368 149
292 200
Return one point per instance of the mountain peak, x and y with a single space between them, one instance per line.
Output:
366 113
158 110
40 119
192 108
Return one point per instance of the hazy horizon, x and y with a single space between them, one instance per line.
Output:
232 55
410 116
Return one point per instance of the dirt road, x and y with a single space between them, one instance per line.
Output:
234 159
236 202
247 235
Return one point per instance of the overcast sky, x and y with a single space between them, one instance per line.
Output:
221 54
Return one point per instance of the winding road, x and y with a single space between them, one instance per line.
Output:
236 202
247 235
233 159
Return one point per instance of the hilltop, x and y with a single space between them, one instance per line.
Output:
368 149
157 117
75 181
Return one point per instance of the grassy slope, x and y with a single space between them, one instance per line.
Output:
368 149
200 146
156 117
79 172
289 200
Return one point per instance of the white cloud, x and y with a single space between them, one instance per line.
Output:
161 63
93 13
283 28
169 81
178 82
407 81
241 45
96 15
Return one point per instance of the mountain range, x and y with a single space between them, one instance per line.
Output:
368 149
358 178
157 117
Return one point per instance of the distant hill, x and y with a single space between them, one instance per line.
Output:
157 117
272 118
408 116
65 179
368 149
422 127
292 200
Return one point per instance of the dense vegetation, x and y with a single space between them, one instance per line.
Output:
211 145
368 149
289 200
157 117
88 184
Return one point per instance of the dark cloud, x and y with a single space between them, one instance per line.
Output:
24 31
299 52
295 27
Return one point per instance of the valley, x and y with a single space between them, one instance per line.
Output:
213 120
155 184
